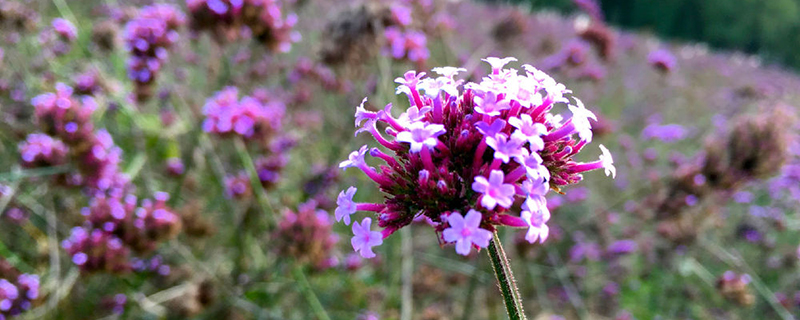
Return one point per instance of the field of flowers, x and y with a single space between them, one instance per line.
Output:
198 159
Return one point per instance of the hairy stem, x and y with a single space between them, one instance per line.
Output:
505 279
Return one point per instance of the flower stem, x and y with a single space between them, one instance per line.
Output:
306 290
505 279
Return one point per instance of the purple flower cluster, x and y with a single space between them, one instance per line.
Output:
16 296
247 117
65 29
117 226
95 250
88 83
662 60
147 39
59 37
307 235
229 20
479 151
65 115
402 42
665 132
409 44
41 150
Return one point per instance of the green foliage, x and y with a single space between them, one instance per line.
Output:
768 28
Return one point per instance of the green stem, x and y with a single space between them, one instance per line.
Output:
306 290
505 279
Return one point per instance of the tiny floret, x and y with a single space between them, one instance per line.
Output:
345 205
608 162
466 231
421 134
364 238
494 190
355 159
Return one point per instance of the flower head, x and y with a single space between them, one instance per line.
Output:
451 153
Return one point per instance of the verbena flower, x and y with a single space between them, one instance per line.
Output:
96 250
484 149
41 150
65 115
65 29
307 235
662 60
228 20
247 117
17 290
148 38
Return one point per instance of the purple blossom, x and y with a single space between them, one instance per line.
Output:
466 231
364 238
530 130
355 159
504 148
662 59
667 133
536 215
65 29
345 205
463 136
490 104
494 190
420 134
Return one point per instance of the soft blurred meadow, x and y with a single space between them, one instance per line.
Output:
129 189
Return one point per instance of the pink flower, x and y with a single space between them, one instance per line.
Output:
530 130
466 231
355 159
494 190
490 105
364 238
421 134
505 148
536 214
345 204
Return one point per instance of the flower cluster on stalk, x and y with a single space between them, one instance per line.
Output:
307 235
148 38
59 37
465 156
18 290
115 224
256 119
402 41
229 20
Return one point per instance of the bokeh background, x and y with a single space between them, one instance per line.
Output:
123 197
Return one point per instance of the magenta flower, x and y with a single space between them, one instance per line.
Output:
345 205
494 190
65 29
364 238
466 231
662 60
453 134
